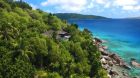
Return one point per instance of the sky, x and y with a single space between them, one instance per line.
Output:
107 8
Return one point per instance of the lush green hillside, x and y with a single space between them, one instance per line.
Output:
32 44
77 16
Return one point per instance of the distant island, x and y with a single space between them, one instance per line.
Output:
77 16
133 18
136 18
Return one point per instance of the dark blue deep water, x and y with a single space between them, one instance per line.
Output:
122 36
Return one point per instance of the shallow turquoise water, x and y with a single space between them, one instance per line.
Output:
122 36
125 49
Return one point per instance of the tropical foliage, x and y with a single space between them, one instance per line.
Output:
26 52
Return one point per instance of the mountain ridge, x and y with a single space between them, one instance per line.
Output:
77 16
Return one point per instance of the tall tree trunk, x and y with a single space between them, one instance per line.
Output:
41 61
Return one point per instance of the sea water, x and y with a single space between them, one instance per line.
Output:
122 36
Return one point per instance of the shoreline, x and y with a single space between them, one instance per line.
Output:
111 62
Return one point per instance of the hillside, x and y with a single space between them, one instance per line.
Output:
77 16
36 44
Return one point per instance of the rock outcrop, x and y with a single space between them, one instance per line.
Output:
134 63
109 61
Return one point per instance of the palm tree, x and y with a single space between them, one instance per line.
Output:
22 51
5 29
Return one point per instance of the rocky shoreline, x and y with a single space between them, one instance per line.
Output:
111 62
134 63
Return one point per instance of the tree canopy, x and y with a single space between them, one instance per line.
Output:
26 52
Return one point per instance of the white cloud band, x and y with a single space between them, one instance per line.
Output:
66 5
90 5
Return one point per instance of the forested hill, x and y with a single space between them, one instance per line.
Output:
77 16
36 44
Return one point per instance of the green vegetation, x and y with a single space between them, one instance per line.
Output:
66 16
26 52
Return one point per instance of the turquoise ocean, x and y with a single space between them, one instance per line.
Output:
122 36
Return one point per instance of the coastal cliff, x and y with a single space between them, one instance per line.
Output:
111 62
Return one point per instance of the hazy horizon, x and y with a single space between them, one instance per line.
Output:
100 15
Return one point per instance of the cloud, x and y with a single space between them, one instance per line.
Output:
66 5
101 1
135 8
128 5
104 3
93 6
82 5
33 6
125 2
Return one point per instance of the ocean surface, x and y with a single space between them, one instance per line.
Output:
122 36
